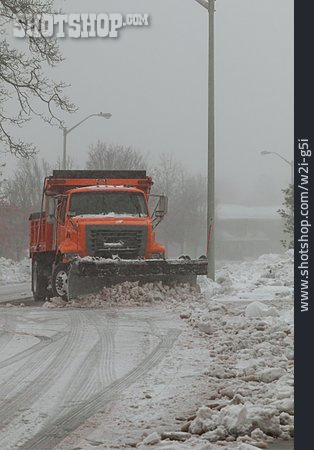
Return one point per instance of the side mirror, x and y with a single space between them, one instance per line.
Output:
160 210
162 206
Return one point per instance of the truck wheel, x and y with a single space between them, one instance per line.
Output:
59 281
39 282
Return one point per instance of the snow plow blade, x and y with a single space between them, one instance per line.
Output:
87 276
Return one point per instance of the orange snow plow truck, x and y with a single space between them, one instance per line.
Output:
95 229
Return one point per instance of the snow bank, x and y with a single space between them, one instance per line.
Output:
259 279
127 294
14 272
250 376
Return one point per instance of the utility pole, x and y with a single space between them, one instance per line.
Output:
210 6
64 159
211 145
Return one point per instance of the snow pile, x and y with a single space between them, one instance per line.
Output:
127 294
259 278
250 378
267 283
257 309
250 375
14 272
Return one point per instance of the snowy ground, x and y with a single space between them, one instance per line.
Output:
17 291
245 323
150 367
14 272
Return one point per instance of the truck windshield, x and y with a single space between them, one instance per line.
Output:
108 203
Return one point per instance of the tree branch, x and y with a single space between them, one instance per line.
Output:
22 79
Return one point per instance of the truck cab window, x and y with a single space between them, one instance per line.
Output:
108 203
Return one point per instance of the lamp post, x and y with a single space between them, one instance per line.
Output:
291 163
210 6
66 131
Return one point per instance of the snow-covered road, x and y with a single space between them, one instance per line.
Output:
58 368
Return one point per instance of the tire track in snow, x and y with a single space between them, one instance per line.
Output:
43 381
86 381
44 342
56 431
106 370
9 327
33 366
10 330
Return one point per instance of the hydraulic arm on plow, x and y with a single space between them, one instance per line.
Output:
95 229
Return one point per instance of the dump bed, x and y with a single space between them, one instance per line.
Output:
41 233
64 180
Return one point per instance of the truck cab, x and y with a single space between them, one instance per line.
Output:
106 221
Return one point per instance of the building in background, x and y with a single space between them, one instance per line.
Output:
244 231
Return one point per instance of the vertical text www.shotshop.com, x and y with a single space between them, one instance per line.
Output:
304 224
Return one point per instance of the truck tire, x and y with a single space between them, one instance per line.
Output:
39 282
59 281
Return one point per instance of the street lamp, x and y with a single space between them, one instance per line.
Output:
210 6
291 163
66 131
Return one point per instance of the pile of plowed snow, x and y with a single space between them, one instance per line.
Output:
250 376
259 279
14 272
128 293
247 318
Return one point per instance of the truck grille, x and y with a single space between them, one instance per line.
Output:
128 242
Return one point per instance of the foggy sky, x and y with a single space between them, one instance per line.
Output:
154 82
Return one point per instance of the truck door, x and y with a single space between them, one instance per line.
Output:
61 213
52 220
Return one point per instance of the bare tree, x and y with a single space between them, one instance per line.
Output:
185 223
24 189
190 210
70 163
167 176
19 196
114 157
22 195
13 231
22 81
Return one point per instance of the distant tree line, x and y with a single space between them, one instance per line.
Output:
183 230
